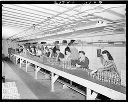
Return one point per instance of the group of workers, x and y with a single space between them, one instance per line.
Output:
77 58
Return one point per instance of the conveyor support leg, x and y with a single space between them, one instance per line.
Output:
36 71
89 95
27 66
53 79
21 60
16 60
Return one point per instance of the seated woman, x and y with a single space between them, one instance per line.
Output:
33 51
60 56
67 56
50 53
20 49
108 63
83 61
38 52
45 52
28 51
42 49
24 50
55 48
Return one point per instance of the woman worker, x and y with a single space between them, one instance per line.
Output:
83 61
109 67
67 56
108 63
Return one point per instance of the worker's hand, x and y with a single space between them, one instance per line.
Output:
56 59
77 65
100 70
93 72
61 59
64 60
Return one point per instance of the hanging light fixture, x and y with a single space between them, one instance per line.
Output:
34 26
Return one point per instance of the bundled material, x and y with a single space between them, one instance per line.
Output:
53 61
66 64
107 76
9 91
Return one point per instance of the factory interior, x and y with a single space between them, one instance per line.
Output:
64 51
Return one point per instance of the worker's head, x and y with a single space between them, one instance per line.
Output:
107 55
50 50
71 44
81 53
57 51
67 51
32 48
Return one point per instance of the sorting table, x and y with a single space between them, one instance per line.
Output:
81 77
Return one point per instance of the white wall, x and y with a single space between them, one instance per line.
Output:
4 47
7 44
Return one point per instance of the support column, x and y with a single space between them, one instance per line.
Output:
10 57
36 71
26 65
70 82
13 58
89 95
20 62
16 60
53 79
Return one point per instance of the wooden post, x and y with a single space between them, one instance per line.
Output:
53 79
36 71
90 96
20 62
26 65
52 83
16 60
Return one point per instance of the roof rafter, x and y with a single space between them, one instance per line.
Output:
27 20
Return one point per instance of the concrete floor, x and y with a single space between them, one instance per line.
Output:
24 91
29 88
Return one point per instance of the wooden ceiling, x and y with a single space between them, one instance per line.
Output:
37 21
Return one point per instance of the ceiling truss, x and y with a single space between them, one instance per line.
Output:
41 20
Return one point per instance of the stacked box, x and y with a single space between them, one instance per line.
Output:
9 91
